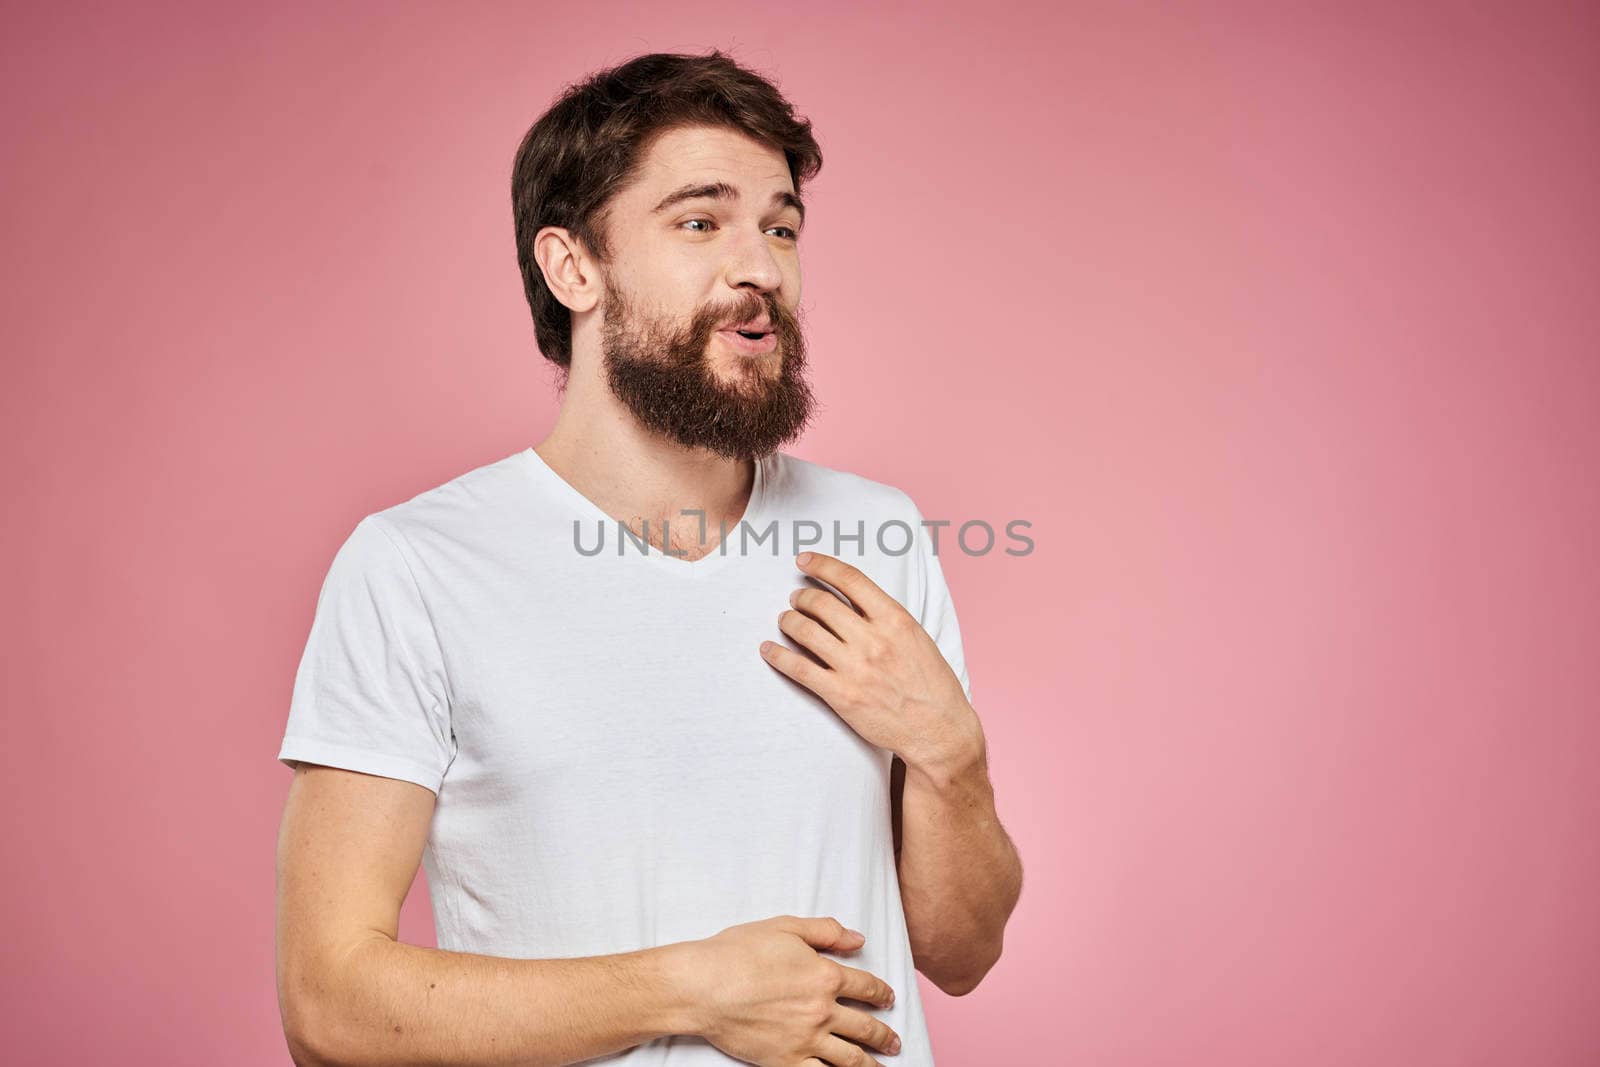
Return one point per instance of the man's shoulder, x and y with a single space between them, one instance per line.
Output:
810 485
469 500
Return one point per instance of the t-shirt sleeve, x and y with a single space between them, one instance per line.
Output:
937 609
371 692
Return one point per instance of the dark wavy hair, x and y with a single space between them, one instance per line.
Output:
589 144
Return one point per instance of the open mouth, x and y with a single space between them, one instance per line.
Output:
751 341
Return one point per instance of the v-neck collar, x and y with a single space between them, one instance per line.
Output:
588 511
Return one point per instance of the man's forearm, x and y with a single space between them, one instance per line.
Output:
389 1002
960 874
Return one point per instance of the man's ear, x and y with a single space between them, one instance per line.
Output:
567 267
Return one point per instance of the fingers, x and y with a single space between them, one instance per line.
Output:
830 610
841 1053
865 1029
864 986
863 592
814 676
822 931
813 635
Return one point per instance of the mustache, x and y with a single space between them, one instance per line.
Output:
754 306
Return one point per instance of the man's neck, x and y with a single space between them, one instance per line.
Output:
635 477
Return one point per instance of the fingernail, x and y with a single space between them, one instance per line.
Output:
894 1046
858 933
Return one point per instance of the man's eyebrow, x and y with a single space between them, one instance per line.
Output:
724 191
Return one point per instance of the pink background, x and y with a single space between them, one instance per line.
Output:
1278 322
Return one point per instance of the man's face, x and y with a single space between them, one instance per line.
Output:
685 271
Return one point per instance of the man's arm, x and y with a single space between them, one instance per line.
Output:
887 675
349 993
960 874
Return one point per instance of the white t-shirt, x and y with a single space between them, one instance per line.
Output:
616 765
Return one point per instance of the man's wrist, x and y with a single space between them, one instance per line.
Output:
681 1004
952 756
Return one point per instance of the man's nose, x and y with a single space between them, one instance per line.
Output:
751 262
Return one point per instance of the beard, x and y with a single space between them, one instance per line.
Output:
665 377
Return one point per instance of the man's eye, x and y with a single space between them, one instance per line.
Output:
789 233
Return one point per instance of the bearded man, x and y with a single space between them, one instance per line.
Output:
693 797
